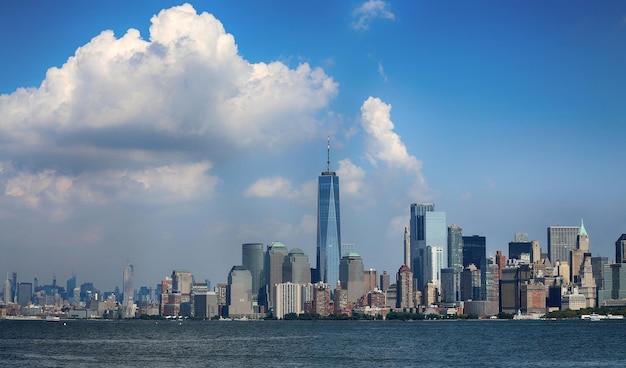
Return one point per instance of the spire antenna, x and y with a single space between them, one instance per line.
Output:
328 159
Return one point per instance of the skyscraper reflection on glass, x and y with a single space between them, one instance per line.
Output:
328 226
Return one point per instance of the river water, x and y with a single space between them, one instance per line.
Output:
133 343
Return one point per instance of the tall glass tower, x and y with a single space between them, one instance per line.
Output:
328 226
428 228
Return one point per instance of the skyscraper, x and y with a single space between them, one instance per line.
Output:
274 260
239 292
253 259
620 249
296 267
407 247
351 276
328 226
428 228
475 252
561 241
128 286
455 257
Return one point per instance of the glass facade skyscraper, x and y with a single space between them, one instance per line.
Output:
328 227
428 228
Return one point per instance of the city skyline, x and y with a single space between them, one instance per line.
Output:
188 130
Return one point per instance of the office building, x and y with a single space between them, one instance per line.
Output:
404 285
287 299
205 304
7 292
253 259
587 283
448 285
475 252
385 281
274 260
434 264
351 276
614 287
427 228
328 226
128 286
181 283
407 247
296 267
239 292
24 293
471 283
561 241
516 249
370 278
620 249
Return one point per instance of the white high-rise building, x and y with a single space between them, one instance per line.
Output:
434 264
287 299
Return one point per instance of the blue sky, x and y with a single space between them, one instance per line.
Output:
170 147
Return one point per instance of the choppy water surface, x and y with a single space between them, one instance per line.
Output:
78 343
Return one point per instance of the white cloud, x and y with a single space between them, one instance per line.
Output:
55 193
370 10
278 187
381 71
186 83
383 144
397 225
351 177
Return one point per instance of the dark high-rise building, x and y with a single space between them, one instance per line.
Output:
253 259
328 226
24 293
620 249
475 252
516 249
428 228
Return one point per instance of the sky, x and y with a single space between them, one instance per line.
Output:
167 134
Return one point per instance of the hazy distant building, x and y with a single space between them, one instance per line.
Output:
521 238
347 248
181 283
561 241
128 286
328 226
24 293
253 259
385 281
351 276
536 251
7 291
428 228
239 292
404 283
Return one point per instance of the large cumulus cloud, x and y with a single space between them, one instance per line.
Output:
184 98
